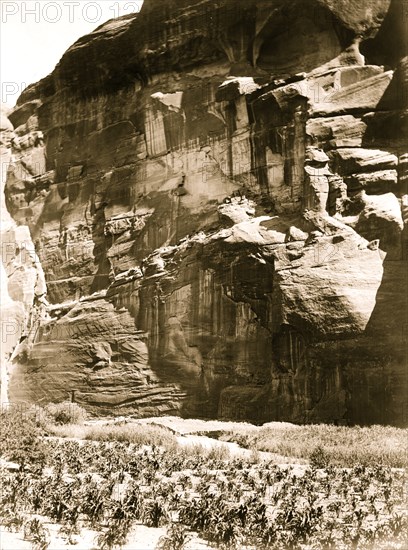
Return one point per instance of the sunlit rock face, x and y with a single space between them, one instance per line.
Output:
217 198
22 282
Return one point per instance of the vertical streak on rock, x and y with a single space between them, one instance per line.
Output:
250 307
12 313
23 286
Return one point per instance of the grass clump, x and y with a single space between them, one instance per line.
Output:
325 444
137 434
65 413
129 433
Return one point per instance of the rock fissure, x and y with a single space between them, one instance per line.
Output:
227 234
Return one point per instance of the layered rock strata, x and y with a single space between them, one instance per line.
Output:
23 287
217 198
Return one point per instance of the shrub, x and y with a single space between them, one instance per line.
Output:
66 413
20 438
319 458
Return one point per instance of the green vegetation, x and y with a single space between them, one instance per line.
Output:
336 445
176 538
20 439
64 413
111 485
35 532
136 434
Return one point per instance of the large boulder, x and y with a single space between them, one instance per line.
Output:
215 202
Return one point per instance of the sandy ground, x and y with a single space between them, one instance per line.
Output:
188 432
141 538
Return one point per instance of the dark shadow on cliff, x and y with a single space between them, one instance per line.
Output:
378 382
391 41
217 338
298 37
388 126
378 378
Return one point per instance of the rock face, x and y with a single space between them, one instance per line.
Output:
22 279
217 195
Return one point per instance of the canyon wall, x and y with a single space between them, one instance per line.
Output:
216 193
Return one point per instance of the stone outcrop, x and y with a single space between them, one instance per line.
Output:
217 197
23 287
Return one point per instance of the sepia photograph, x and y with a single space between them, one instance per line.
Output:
204 275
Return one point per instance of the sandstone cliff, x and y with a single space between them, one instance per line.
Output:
216 194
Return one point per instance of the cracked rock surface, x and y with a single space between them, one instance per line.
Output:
216 198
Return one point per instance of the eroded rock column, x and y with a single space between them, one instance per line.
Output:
23 287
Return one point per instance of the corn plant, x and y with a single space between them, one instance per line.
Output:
176 538
37 534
